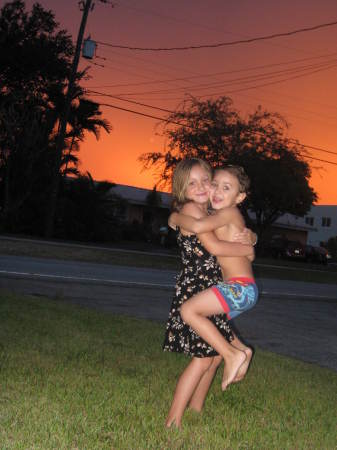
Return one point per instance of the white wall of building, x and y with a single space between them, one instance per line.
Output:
321 222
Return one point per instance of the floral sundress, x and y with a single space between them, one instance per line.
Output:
199 271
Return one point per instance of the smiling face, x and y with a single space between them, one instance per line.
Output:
198 185
225 190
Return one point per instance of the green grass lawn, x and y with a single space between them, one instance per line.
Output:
73 378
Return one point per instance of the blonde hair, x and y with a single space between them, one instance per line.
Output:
180 179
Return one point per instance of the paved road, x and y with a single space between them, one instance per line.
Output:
295 319
39 268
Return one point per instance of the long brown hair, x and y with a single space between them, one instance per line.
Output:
180 180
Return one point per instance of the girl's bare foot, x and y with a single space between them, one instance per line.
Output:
233 362
172 422
244 367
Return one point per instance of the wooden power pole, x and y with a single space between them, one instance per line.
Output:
55 181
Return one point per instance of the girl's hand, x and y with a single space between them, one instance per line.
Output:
246 237
172 220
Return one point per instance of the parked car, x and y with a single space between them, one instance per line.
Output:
283 248
318 255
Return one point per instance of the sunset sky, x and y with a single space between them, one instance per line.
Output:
294 75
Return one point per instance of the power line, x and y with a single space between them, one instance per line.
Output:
246 79
271 99
217 93
278 81
189 126
312 147
172 112
207 75
129 101
251 68
223 44
144 114
320 160
152 70
201 26
149 82
227 92
286 109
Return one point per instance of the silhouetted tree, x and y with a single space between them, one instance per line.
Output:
85 117
86 210
35 62
212 130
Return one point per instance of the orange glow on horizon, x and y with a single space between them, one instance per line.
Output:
304 66
108 159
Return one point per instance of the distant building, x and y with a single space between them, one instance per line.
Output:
287 227
317 226
321 222
142 205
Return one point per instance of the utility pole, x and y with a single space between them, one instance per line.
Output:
55 182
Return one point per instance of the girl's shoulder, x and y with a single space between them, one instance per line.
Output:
192 209
230 214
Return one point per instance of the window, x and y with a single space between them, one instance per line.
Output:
309 221
326 221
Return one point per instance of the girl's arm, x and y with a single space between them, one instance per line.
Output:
209 240
224 248
210 223
201 225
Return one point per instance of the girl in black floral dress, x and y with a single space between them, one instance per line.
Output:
190 189
199 271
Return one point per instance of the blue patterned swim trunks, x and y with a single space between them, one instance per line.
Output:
236 295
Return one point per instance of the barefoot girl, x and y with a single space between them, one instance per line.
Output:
190 189
238 292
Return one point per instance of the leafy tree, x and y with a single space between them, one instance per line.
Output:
86 210
206 131
212 130
27 41
278 172
23 163
35 62
34 53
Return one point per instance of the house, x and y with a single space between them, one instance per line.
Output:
143 206
288 228
153 207
322 220
317 226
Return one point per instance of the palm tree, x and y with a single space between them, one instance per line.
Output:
84 117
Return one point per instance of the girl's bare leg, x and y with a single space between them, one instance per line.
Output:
249 353
185 388
194 312
198 398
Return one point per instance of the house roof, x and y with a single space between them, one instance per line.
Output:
138 196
